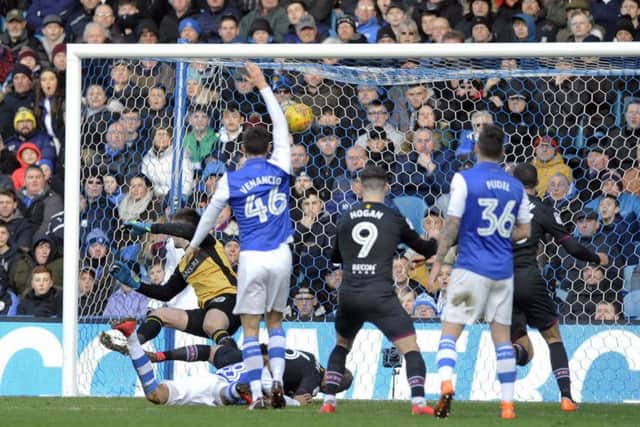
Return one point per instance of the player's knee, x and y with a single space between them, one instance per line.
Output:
552 334
407 344
524 351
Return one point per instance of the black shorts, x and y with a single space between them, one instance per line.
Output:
532 304
226 355
384 311
224 303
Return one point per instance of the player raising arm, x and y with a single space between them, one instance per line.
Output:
259 196
488 210
532 303
367 236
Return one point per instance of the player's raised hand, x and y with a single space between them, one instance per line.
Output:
604 259
255 75
123 274
189 253
137 228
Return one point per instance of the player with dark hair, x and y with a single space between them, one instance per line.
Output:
259 196
532 303
210 274
367 236
487 212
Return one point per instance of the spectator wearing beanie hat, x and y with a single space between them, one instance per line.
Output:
425 307
477 8
26 130
22 95
189 30
625 31
28 58
147 31
346 30
59 57
386 35
481 31
260 32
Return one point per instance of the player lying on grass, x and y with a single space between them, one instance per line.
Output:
224 388
209 273
303 374
229 385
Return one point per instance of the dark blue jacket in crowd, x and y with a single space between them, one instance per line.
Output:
210 20
42 140
413 179
39 9
100 213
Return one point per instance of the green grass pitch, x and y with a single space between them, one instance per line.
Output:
134 412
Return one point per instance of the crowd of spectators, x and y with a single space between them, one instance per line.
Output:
581 133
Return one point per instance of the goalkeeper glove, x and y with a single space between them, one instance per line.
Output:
123 274
138 228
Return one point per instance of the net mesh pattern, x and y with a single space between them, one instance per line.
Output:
158 134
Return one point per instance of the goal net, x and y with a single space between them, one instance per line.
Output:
151 131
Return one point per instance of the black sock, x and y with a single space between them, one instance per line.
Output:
416 371
149 329
222 337
190 353
335 369
522 355
560 368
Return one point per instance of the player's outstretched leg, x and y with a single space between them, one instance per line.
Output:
277 342
150 328
506 370
190 353
140 361
446 359
334 374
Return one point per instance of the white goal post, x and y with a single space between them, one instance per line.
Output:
77 52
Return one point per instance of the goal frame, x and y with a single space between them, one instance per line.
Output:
77 52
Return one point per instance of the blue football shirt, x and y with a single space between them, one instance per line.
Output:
489 203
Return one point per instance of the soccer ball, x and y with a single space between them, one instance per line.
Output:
299 117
